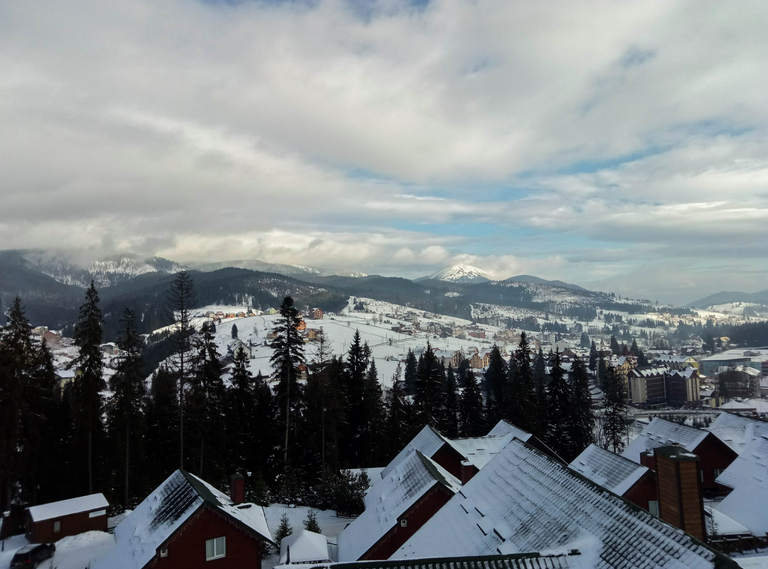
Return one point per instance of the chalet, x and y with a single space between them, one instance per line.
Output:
50 522
715 455
737 431
110 348
313 334
304 547
396 507
317 313
480 359
186 522
620 475
523 501
747 502
236 346
52 339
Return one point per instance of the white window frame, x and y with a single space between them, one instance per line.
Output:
163 552
57 526
215 548
653 507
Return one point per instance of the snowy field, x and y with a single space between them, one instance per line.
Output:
74 552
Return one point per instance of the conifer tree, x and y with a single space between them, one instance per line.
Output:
593 357
375 418
284 529
614 417
541 411
234 331
429 391
471 411
355 372
288 355
266 432
89 380
310 524
495 385
521 410
582 416
181 303
126 413
450 426
411 369
163 423
241 410
558 436
398 415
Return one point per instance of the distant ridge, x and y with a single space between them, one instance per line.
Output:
297 271
725 297
536 280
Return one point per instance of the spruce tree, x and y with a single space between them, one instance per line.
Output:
521 410
163 423
372 439
411 369
582 416
355 372
495 385
593 357
559 406
614 416
126 413
234 331
615 348
89 380
450 426
471 410
310 524
541 411
287 356
181 302
241 409
284 529
398 415
429 391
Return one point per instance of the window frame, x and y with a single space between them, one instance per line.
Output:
218 548
57 526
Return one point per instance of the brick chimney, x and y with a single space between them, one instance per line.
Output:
468 470
678 481
237 488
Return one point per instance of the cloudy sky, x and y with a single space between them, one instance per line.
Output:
620 145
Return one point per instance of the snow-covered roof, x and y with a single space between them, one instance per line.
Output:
718 524
504 428
661 433
164 511
389 499
524 501
480 450
428 441
735 406
737 431
748 476
611 471
305 547
518 561
67 507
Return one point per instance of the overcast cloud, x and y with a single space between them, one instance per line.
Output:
619 144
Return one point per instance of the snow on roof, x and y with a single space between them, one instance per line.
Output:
68 507
428 441
164 511
737 431
611 471
389 499
305 547
748 476
718 524
735 406
480 450
664 433
504 428
524 501
518 561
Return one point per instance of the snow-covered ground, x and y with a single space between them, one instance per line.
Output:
73 552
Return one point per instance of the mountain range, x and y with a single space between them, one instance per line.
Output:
728 297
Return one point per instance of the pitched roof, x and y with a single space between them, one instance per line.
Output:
611 471
517 561
504 428
390 499
737 431
164 511
428 441
480 450
748 476
305 547
67 507
660 433
525 501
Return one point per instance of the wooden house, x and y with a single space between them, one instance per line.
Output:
50 522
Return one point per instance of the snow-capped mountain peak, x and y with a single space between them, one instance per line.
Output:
462 274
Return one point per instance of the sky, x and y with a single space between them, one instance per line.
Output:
621 146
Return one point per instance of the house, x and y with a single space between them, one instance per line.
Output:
236 346
675 362
737 431
317 313
570 560
715 455
110 348
186 522
741 381
523 501
620 475
301 325
50 522
304 547
313 334
396 507
748 477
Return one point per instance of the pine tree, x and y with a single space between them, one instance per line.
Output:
582 416
126 413
181 302
284 529
614 417
584 342
615 348
241 409
522 394
355 371
89 380
593 357
398 415
288 355
450 426
495 385
541 411
429 391
411 369
372 440
234 331
163 423
471 411
558 436
310 524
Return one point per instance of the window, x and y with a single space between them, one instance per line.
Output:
718 472
653 507
57 526
164 552
215 548
701 475
404 523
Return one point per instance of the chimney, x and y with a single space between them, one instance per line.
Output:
237 488
468 470
648 460
678 483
